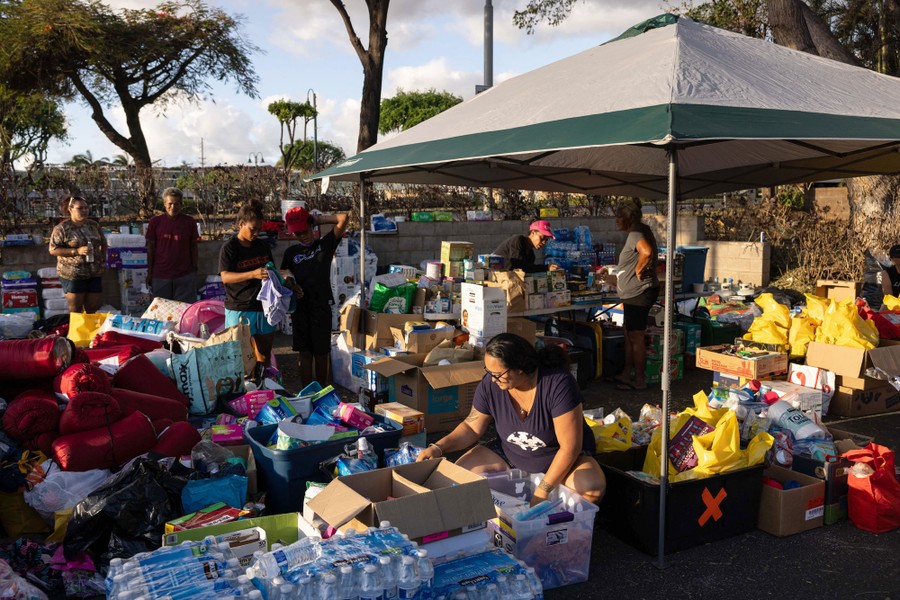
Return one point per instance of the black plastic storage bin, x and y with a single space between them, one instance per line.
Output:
283 473
697 511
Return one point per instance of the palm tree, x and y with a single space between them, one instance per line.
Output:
87 159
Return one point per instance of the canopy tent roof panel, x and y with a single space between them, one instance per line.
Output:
563 127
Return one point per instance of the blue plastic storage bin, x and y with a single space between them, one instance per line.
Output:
694 265
283 473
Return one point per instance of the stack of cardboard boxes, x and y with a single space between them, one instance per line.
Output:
452 256
655 340
547 290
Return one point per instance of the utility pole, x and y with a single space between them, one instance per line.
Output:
202 156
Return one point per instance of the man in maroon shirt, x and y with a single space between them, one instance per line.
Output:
172 251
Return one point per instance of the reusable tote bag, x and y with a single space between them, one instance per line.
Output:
209 373
873 501
239 333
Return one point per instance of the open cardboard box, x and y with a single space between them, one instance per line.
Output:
425 500
285 529
443 393
713 358
786 512
369 330
855 394
419 341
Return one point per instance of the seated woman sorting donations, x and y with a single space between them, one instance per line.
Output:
536 407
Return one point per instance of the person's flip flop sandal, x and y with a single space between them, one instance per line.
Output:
624 386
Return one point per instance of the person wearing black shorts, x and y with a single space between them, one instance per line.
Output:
309 262
638 286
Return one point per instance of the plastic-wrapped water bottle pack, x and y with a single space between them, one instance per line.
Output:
192 570
486 574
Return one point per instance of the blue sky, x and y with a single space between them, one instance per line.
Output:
431 44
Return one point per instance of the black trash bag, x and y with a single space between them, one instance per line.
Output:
128 514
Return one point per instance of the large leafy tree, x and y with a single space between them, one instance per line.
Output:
408 109
130 59
329 154
289 115
28 121
372 59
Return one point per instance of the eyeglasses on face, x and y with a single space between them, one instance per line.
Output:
497 376
80 207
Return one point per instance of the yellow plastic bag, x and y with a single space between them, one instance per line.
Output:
717 451
17 518
61 520
803 331
890 303
84 326
615 437
816 307
773 325
844 327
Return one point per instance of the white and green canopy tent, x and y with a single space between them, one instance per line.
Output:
671 108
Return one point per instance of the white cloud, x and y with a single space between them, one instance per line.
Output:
436 74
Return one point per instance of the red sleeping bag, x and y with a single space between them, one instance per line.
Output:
141 375
177 440
83 377
155 407
89 410
44 443
117 355
114 338
33 358
105 447
30 414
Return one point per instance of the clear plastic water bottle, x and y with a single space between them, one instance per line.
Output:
388 577
328 587
472 592
537 588
424 568
520 590
491 592
287 591
347 583
503 586
89 257
371 587
255 595
408 581
285 558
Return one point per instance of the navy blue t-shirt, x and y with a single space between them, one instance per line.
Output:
530 444
311 268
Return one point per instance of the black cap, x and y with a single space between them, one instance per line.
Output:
895 251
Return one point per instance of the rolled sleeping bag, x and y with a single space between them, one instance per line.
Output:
44 442
89 410
160 425
105 447
140 375
82 377
30 414
155 407
177 440
34 358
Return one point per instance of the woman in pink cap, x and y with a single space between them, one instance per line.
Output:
518 250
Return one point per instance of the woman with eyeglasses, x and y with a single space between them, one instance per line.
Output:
518 251
80 250
536 406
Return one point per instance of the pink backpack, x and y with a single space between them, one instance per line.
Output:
207 312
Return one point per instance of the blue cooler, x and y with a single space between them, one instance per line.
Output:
694 265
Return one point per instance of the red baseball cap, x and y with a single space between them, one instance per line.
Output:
297 219
543 228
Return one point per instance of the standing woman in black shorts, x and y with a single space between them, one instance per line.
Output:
638 286
80 250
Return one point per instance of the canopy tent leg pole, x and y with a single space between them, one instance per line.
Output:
666 379
362 244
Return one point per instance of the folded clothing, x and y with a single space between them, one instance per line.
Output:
105 447
89 410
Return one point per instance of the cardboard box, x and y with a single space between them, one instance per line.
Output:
654 340
855 394
834 472
837 290
786 512
421 341
535 301
524 328
456 251
654 369
556 281
411 421
369 330
712 358
423 500
558 299
727 380
443 393
851 402
693 335
484 310
810 399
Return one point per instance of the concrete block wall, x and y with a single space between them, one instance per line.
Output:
748 262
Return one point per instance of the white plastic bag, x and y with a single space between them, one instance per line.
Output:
63 489
16 326
14 587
